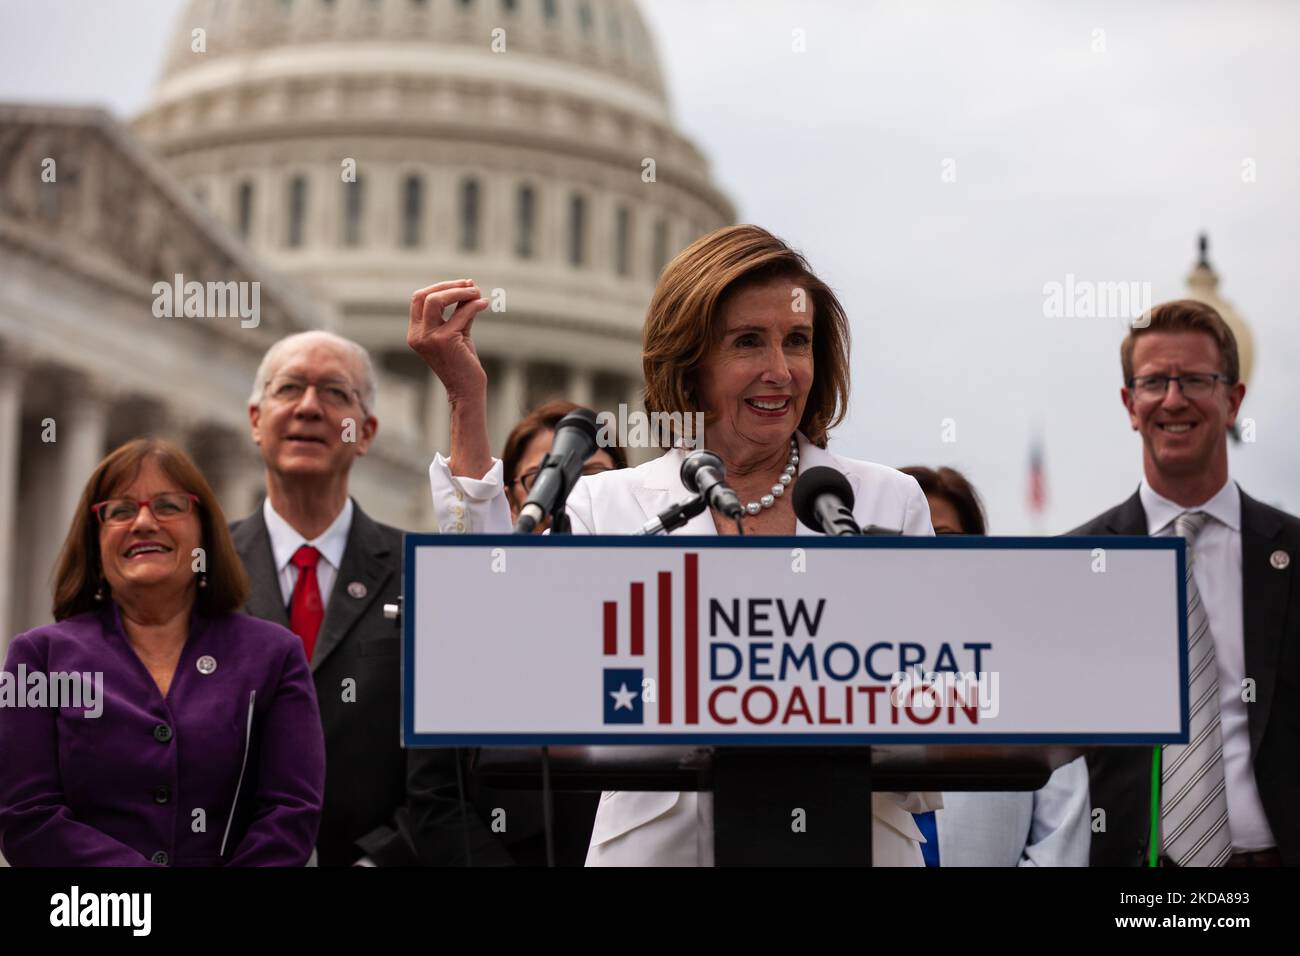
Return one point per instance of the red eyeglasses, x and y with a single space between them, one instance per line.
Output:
164 507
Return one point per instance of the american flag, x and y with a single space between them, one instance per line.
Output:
1037 481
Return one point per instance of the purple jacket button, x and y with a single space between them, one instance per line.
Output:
160 858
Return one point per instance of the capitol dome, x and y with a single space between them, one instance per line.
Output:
1203 286
367 148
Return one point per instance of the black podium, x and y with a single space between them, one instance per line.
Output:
755 788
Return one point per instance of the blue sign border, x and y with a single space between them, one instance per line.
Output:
783 542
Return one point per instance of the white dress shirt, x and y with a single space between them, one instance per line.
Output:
285 542
1217 571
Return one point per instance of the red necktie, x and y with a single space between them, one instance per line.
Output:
305 611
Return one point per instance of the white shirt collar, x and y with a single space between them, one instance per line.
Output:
1224 507
285 539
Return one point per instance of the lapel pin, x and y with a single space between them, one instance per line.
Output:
1280 560
206 664
356 589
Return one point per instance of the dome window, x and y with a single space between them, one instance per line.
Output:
353 199
245 209
525 221
412 210
660 247
469 215
577 230
550 10
297 211
622 240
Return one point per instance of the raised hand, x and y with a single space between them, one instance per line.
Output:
446 346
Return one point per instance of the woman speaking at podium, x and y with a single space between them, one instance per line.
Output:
739 329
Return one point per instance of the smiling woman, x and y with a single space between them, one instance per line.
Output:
203 708
743 331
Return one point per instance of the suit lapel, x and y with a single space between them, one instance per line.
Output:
365 561
254 546
810 456
1129 518
662 488
1264 591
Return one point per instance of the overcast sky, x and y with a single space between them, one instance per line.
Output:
1095 140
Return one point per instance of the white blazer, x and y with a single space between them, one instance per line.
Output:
675 829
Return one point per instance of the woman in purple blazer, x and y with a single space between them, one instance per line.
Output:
152 724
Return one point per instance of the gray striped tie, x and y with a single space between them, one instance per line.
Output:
1193 796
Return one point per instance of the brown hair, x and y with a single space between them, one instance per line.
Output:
79 572
543 418
682 322
952 486
1184 315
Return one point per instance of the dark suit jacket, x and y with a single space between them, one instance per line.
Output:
1120 777
378 803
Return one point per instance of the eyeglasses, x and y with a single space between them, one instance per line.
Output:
1150 388
164 507
528 477
332 392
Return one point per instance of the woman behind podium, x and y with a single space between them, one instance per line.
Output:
741 329
1045 827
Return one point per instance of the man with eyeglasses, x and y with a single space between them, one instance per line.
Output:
1231 796
323 568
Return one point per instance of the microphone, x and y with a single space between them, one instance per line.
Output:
673 518
575 442
704 474
823 501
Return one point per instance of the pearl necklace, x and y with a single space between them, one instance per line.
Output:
787 476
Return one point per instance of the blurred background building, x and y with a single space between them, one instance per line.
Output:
342 153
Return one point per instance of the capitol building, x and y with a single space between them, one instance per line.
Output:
340 153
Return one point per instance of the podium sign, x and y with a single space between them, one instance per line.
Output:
575 639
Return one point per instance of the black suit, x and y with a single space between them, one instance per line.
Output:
378 803
1120 777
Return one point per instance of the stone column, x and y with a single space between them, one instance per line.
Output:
11 402
80 431
509 405
382 205
437 418
231 465
582 387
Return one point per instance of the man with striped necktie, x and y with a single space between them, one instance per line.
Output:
1231 795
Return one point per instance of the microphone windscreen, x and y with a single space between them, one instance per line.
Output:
814 483
693 462
583 419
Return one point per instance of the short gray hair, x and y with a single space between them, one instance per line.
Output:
275 355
